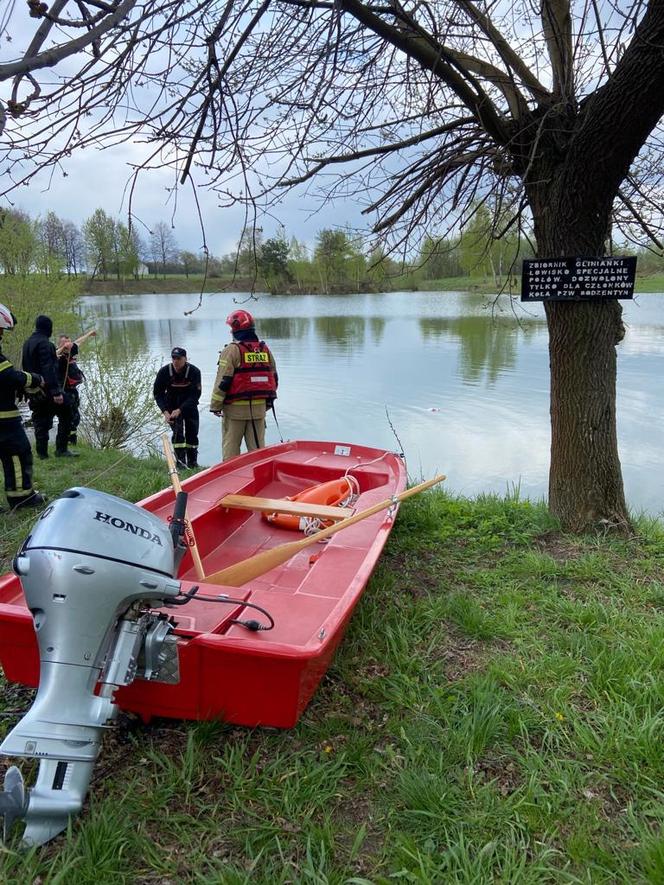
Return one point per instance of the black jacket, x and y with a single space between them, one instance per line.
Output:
69 372
175 390
39 357
12 381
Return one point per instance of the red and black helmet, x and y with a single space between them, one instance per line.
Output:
240 319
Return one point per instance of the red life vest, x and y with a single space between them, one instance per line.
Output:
74 375
254 378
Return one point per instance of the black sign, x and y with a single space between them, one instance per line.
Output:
577 279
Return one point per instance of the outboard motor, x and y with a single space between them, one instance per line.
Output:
92 569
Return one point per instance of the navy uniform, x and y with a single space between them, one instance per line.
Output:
15 451
245 387
177 390
71 377
39 357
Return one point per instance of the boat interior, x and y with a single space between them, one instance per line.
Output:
311 582
226 535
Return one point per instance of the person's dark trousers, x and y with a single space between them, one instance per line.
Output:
42 422
185 437
43 411
63 411
16 456
75 415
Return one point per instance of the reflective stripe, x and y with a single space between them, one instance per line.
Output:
5 365
19 481
18 471
13 414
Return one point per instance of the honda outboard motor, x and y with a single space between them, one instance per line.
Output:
92 569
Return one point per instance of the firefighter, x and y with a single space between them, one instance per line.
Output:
245 386
15 451
70 376
39 357
177 390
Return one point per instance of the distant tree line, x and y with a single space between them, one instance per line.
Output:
105 248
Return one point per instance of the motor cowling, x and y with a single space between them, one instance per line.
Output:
92 569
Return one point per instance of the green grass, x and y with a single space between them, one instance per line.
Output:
112 471
651 283
643 284
178 283
171 284
464 284
495 714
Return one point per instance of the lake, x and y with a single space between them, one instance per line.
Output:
458 381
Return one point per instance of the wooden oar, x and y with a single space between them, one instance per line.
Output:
177 488
238 574
79 340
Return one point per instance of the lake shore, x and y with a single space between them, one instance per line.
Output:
494 713
177 284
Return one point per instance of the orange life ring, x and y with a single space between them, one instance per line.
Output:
334 493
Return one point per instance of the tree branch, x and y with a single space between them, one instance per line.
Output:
557 26
436 61
645 227
507 54
377 151
51 57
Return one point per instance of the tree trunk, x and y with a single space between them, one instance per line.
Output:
585 479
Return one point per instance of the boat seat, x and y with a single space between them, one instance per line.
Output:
280 505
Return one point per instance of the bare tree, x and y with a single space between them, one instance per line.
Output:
163 246
74 248
422 109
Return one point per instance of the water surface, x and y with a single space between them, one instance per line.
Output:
459 381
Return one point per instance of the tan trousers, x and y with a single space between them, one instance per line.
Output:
234 430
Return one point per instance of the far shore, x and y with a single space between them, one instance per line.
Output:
219 286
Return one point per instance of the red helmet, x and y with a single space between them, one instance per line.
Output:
240 319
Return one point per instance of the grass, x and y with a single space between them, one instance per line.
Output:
179 283
494 714
652 283
643 284
173 283
111 471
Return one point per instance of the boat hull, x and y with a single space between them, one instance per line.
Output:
227 672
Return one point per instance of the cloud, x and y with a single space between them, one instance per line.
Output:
94 179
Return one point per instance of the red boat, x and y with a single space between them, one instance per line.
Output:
226 671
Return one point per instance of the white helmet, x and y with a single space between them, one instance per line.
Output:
7 319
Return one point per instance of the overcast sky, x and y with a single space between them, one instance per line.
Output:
97 179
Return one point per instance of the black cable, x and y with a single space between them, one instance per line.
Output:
250 625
